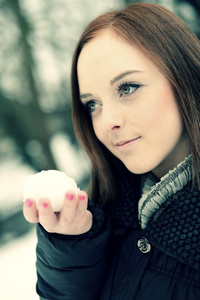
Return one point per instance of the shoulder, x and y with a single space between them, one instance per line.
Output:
175 229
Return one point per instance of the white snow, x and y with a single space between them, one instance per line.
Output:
51 184
18 256
18 272
13 173
69 159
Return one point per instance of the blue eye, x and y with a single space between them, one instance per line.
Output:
127 88
90 106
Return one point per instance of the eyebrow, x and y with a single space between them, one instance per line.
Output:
121 75
83 96
112 81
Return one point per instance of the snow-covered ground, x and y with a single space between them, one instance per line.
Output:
17 269
17 255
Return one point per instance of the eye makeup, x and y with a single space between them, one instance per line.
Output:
127 88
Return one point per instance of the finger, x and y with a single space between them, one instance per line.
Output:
82 202
68 211
30 211
47 218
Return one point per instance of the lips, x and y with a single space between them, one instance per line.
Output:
125 144
121 143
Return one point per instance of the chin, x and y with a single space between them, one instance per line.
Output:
139 169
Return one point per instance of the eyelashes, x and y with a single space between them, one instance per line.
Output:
90 106
125 89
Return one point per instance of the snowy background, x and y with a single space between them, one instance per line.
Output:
37 41
17 265
54 28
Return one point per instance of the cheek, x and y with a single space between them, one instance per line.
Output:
167 120
98 130
162 124
171 112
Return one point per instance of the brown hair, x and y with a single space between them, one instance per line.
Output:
175 50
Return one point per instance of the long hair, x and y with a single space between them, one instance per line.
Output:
174 49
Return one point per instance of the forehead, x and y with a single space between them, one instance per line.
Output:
107 50
104 43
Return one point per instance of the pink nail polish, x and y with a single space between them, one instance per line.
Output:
29 202
70 197
44 204
81 197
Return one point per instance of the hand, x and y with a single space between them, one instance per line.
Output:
73 219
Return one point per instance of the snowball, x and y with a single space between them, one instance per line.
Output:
49 184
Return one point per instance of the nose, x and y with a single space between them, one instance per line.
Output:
112 117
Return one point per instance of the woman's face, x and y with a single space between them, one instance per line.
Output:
132 105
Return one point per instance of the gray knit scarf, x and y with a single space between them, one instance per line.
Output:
155 194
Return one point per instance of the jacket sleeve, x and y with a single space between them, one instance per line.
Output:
73 267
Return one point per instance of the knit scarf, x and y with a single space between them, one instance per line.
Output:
155 194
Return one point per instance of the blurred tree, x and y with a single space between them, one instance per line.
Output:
37 42
25 121
36 46
36 118
189 11
21 116
195 4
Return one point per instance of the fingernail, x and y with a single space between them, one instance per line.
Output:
29 202
70 196
81 197
44 204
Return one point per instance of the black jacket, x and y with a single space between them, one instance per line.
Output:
117 260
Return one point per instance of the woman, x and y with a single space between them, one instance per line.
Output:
135 91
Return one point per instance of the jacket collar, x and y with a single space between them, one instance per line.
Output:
175 180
